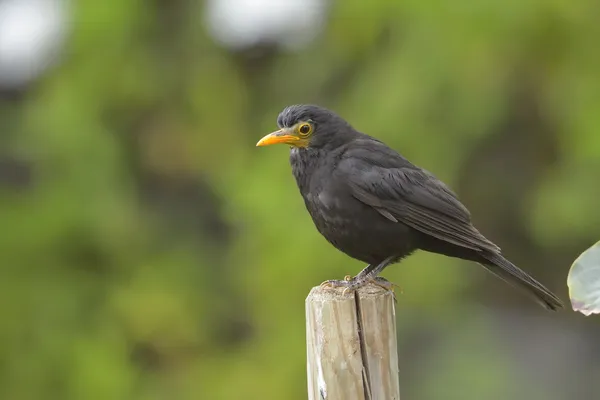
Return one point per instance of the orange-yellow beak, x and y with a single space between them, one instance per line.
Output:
282 136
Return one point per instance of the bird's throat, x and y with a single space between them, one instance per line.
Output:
304 162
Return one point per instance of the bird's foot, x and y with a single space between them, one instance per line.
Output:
336 283
384 283
351 284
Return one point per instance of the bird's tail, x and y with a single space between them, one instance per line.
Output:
510 273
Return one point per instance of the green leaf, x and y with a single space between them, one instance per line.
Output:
584 282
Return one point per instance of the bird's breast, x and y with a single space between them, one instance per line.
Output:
325 207
334 210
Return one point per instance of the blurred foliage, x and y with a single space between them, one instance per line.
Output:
150 251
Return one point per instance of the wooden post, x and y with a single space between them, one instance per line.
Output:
351 345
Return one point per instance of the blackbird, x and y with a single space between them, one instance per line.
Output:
374 205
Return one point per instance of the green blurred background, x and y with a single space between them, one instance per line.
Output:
150 251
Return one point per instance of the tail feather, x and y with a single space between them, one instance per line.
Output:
510 273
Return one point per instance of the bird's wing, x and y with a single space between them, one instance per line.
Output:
412 196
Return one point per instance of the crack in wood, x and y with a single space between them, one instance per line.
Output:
366 375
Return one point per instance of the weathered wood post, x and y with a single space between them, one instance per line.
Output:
351 345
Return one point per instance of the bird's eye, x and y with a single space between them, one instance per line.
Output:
304 129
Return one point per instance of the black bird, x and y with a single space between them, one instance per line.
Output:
375 206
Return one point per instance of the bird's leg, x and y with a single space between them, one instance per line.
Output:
370 272
367 275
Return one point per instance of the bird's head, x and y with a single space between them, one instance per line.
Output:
309 126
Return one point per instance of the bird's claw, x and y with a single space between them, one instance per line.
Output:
387 285
336 283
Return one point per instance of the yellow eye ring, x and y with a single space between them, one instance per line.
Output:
304 129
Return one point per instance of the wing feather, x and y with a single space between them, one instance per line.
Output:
414 197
